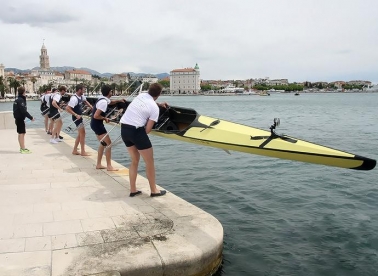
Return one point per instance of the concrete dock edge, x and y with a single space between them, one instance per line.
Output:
61 216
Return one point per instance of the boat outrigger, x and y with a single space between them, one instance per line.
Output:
185 124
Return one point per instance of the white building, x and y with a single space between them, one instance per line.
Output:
185 81
2 70
77 75
149 79
118 78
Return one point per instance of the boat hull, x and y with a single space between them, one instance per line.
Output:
185 124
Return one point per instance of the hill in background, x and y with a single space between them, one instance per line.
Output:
61 69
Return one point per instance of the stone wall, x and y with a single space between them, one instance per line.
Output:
7 120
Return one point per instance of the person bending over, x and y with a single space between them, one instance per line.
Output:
136 123
97 125
54 114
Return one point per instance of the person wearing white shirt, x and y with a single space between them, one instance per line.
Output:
45 98
54 114
97 125
138 120
74 107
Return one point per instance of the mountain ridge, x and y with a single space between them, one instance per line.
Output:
62 69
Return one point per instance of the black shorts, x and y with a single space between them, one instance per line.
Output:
44 110
135 136
20 126
54 115
77 122
98 128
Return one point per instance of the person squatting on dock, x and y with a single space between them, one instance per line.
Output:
97 125
54 114
136 123
74 107
20 112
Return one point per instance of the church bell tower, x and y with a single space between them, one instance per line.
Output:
44 60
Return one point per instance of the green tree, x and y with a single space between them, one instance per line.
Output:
2 86
206 87
33 80
13 83
164 83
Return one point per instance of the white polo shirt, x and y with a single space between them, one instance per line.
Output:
56 96
140 110
74 100
102 105
47 99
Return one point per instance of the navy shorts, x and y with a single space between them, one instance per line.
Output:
54 115
135 136
77 122
45 111
20 126
98 128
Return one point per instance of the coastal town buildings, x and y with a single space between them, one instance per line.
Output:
150 79
75 74
119 78
185 81
181 81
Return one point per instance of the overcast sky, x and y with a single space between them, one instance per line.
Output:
314 40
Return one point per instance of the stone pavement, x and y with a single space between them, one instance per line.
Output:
61 216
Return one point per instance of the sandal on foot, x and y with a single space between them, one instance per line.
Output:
136 193
162 192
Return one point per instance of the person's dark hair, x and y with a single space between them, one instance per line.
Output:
54 89
105 90
79 87
61 88
21 90
155 89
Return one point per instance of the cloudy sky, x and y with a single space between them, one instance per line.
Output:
314 40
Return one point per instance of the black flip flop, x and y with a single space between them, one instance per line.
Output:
162 192
136 193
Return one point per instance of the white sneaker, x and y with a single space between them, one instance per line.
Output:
58 140
53 141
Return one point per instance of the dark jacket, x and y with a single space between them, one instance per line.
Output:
20 110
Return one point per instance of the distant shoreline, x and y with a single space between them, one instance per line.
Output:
232 94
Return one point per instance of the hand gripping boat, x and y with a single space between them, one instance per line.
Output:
185 124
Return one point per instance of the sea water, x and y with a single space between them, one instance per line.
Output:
279 217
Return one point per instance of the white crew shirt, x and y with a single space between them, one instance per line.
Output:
56 97
102 105
47 99
140 110
74 100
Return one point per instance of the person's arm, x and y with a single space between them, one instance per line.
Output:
88 104
112 102
97 115
150 124
72 112
164 104
23 110
56 105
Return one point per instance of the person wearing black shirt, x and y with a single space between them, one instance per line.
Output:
20 112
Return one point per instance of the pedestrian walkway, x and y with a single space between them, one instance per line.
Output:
61 216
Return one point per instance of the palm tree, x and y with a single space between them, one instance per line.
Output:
33 80
13 83
23 82
2 86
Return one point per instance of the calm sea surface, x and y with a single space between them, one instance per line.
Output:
279 217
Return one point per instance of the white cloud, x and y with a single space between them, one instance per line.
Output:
295 39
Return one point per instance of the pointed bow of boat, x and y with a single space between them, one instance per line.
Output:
368 164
